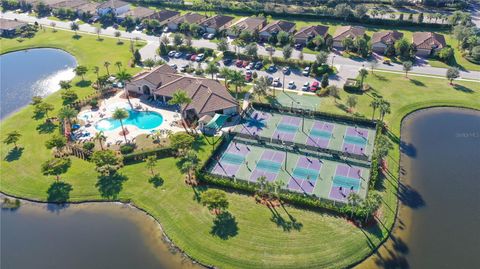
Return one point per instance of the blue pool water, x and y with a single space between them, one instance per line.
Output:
142 120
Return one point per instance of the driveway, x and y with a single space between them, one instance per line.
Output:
347 66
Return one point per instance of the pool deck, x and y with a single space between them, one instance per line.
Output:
105 111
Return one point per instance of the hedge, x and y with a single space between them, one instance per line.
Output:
138 156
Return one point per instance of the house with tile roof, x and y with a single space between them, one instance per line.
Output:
117 7
165 16
275 27
9 28
343 32
250 24
189 18
209 97
216 23
428 43
307 33
381 40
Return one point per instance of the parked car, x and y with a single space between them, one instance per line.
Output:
171 53
269 80
250 66
276 82
227 61
298 46
248 77
248 72
193 57
315 86
245 64
258 65
387 61
188 56
291 85
174 66
165 30
239 63
272 69
183 68
115 26
286 70
200 57
178 55
210 36
306 71
270 48
306 86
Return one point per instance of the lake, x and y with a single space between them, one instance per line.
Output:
97 235
33 72
439 215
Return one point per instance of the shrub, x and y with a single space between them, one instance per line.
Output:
140 155
127 148
94 103
88 146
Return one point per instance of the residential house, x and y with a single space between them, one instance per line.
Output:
69 4
209 97
275 27
427 43
165 16
343 32
138 13
9 28
189 18
381 40
117 7
216 23
309 32
88 9
250 24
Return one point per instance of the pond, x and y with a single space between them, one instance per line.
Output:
33 72
439 214
97 235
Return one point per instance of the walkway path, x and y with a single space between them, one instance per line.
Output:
347 67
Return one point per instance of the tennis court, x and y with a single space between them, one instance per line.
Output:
324 133
347 179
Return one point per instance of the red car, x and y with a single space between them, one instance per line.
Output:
248 77
239 63
314 87
193 57
245 63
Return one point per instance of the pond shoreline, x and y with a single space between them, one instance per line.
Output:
166 239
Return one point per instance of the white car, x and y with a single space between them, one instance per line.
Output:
174 66
276 82
178 55
306 71
200 57
171 53
291 85
306 86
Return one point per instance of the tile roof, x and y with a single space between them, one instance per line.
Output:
88 7
10 24
189 18
343 32
277 26
216 21
386 37
71 4
311 31
428 40
113 4
165 15
139 12
249 23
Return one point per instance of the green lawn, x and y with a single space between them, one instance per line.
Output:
321 240
256 240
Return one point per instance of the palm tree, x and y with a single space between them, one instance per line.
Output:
212 68
374 105
384 109
238 80
407 66
74 27
107 64
98 30
100 137
65 84
67 113
180 98
121 114
151 162
354 201
96 70
363 73
333 91
124 77
351 101
225 72
12 138
190 163
118 64
260 87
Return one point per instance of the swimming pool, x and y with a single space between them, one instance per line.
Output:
141 119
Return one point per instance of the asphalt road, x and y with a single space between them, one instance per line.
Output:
347 67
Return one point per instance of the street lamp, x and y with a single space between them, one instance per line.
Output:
283 83
333 58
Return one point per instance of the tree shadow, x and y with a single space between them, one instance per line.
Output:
408 149
286 225
14 154
83 83
110 186
224 226
76 37
462 88
380 77
410 197
197 192
59 192
198 144
417 83
156 181
46 127
341 107
38 115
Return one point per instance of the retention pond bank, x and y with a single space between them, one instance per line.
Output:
439 214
